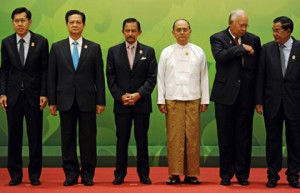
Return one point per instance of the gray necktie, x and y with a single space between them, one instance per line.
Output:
282 59
21 51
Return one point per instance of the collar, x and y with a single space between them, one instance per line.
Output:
232 34
79 41
26 38
134 44
181 46
289 43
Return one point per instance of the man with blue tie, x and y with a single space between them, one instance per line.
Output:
23 90
278 99
77 91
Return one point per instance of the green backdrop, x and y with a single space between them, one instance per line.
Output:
103 25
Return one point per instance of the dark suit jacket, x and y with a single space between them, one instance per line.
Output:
86 83
33 74
235 69
272 89
121 79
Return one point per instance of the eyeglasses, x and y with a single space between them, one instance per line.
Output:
245 25
179 30
75 22
22 21
277 31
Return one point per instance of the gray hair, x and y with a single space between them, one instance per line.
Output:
235 13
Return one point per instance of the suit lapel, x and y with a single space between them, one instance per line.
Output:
83 54
276 58
293 55
229 39
67 52
15 47
138 55
124 56
31 48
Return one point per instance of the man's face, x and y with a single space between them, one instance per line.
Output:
239 27
131 32
182 32
75 24
280 35
21 24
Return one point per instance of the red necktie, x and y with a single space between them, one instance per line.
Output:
236 39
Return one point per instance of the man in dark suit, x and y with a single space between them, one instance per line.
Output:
278 99
131 76
23 90
236 53
77 90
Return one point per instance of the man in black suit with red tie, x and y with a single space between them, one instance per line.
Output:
236 52
23 90
77 91
131 77
278 99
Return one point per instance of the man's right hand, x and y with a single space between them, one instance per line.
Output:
163 108
53 110
3 102
259 109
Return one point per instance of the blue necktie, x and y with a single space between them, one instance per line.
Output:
21 51
75 55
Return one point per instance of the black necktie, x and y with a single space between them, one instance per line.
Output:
21 51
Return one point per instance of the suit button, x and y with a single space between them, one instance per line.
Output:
239 81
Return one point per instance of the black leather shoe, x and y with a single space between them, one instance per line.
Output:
272 183
145 180
225 182
294 184
35 182
118 181
87 181
14 182
243 182
70 182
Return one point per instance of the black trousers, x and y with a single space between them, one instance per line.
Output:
87 142
34 123
274 130
234 127
123 129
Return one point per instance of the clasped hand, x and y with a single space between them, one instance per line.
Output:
129 99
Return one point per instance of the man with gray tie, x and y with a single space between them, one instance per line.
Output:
77 91
23 90
278 99
131 77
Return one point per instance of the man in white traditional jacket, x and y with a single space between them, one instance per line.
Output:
183 92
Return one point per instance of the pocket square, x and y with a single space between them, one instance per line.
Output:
143 58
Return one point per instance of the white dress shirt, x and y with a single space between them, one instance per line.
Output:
26 38
182 74
79 45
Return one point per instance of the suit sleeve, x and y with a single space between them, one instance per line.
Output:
260 78
111 76
4 69
52 76
45 59
100 82
223 51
